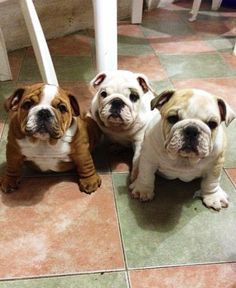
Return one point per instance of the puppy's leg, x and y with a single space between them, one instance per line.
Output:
212 194
11 179
135 161
88 181
143 187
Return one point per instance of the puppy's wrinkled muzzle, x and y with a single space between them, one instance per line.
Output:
116 112
43 124
116 106
189 139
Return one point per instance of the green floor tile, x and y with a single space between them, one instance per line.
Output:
174 228
222 44
101 280
2 156
133 46
230 156
74 68
6 90
29 70
163 27
160 86
5 132
202 65
68 68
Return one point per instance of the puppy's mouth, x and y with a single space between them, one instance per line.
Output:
116 114
43 126
189 142
43 131
189 151
115 119
116 107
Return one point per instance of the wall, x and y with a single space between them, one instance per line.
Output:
57 17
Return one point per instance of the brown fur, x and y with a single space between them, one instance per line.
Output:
82 144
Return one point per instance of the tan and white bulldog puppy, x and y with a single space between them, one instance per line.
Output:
186 141
46 131
121 108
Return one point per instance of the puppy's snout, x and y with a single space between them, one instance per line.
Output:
44 114
116 106
191 132
117 103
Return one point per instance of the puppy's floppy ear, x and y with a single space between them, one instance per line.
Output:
143 82
226 113
161 99
74 105
99 78
11 103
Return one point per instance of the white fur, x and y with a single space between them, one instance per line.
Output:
154 157
47 156
136 115
48 94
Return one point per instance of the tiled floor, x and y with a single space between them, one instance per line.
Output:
52 235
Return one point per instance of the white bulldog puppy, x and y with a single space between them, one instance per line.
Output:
186 141
122 108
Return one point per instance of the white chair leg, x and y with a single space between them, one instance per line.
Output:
216 4
137 11
105 22
5 71
38 42
234 52
195 10
152 4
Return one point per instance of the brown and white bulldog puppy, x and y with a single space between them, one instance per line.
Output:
121 108
186 141
46 131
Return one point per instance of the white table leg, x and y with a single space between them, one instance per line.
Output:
216 4
137 11
38 42
105 22
5 71
195 10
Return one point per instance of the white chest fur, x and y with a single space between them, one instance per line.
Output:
46 156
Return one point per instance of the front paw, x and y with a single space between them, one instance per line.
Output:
9 184
90 184
141 192
216 200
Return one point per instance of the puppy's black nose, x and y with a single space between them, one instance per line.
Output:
117 103
191 132
44 114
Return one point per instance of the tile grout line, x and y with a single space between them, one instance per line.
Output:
21 65
120 232
228 176
181 265
48 276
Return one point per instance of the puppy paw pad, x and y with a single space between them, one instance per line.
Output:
216 200
142 196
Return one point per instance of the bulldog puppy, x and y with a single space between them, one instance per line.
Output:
186 141
46 131
121 108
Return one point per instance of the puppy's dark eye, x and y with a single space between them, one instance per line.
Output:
62 108
133 97
173 119
103 94
27 104
212 124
